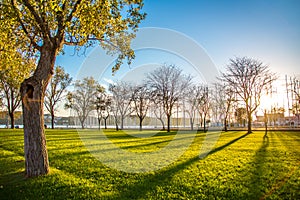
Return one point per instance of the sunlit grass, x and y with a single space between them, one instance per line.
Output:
240 166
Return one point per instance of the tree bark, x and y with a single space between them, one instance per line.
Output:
33 93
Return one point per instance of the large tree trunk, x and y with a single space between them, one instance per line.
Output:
32 93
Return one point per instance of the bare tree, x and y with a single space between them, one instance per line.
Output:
141 102
157 107
170 83
223 98
54 93
103 107
100 104
248 78
115 112
121 97
82 99
204 106
294 87
192 100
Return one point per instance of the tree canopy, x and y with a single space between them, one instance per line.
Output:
80 23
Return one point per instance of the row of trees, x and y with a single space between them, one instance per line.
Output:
165 88
162 90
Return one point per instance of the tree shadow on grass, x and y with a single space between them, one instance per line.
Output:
203 155
150 182
260 178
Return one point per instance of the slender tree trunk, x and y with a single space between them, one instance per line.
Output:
12 119
225 124
117 127
192 124
82 124
266 123
105 126
162 123
249 123
122 122
141 123
52 118
33 93
99 122
204 124
11 110
168 122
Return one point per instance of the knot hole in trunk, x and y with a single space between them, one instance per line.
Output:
29 91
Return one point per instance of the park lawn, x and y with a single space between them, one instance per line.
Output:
241 166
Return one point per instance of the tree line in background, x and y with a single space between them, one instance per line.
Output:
167 89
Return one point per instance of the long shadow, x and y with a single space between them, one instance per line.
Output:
18 153
150 182
295 137
223 146
257 180
287 141
154 143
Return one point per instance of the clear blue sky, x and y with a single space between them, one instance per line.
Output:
268 30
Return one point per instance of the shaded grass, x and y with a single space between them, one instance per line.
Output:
239 167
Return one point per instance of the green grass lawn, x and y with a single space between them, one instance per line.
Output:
239 167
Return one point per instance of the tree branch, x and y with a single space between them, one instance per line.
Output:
42 24
69 18
33 43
